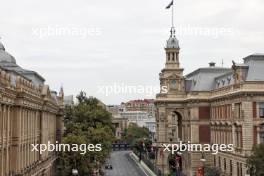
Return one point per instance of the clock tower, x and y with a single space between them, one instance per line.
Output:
171 77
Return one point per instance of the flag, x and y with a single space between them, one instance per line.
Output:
169 5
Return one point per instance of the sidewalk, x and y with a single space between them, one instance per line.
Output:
142 165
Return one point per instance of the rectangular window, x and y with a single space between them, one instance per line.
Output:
214 161
261 110
231 167
224 164
261 137
238 110
238 170
254 107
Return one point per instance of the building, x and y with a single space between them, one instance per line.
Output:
120 124
69 100
30 113
115 110
146 105
210 105
140 118
137 117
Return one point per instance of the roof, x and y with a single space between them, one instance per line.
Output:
209 78
148 101
172 42
255 64
5 56
8 63
203 79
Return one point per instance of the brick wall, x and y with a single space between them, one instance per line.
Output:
204 134
204 113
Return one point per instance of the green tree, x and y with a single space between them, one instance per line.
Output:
134 133
86 123
256 160
211 171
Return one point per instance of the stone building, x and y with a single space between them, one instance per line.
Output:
29 114
211 105
146 105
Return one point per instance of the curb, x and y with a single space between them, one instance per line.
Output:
142 165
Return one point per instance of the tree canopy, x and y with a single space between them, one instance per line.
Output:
86 123
256 160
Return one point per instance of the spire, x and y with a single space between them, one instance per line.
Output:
1 45
61 94
172 31
172 42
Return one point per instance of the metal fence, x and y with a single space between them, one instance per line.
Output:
149 163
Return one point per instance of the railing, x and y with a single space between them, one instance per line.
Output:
149 163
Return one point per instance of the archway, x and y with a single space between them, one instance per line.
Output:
177 122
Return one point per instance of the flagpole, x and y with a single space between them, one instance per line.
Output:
172 15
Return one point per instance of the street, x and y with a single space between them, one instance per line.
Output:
123 165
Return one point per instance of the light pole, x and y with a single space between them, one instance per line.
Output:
178 158
203 161
74 172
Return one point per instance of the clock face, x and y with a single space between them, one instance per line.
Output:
173 84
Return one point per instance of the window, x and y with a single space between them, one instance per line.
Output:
173 84
224 164
261 110
238 110
214 161
231 167
261 136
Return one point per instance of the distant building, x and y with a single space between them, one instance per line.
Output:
68 100
115 110
140 112
146 105
137 117
140 118
120 124
30 113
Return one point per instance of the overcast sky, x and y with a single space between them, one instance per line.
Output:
121 42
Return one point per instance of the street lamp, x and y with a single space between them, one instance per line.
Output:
203 161
74 172
177 163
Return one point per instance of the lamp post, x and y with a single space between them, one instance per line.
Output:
177 163
203 160
74 172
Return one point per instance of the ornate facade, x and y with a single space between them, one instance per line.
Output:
211 105
29 114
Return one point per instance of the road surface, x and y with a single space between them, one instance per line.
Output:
123 165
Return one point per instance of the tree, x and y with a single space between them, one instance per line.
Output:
211 171
135 133
256 160
86 123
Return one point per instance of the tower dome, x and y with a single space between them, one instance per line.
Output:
5 57
173 41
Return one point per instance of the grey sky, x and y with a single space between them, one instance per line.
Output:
128 46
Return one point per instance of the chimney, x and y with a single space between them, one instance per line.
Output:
212 64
